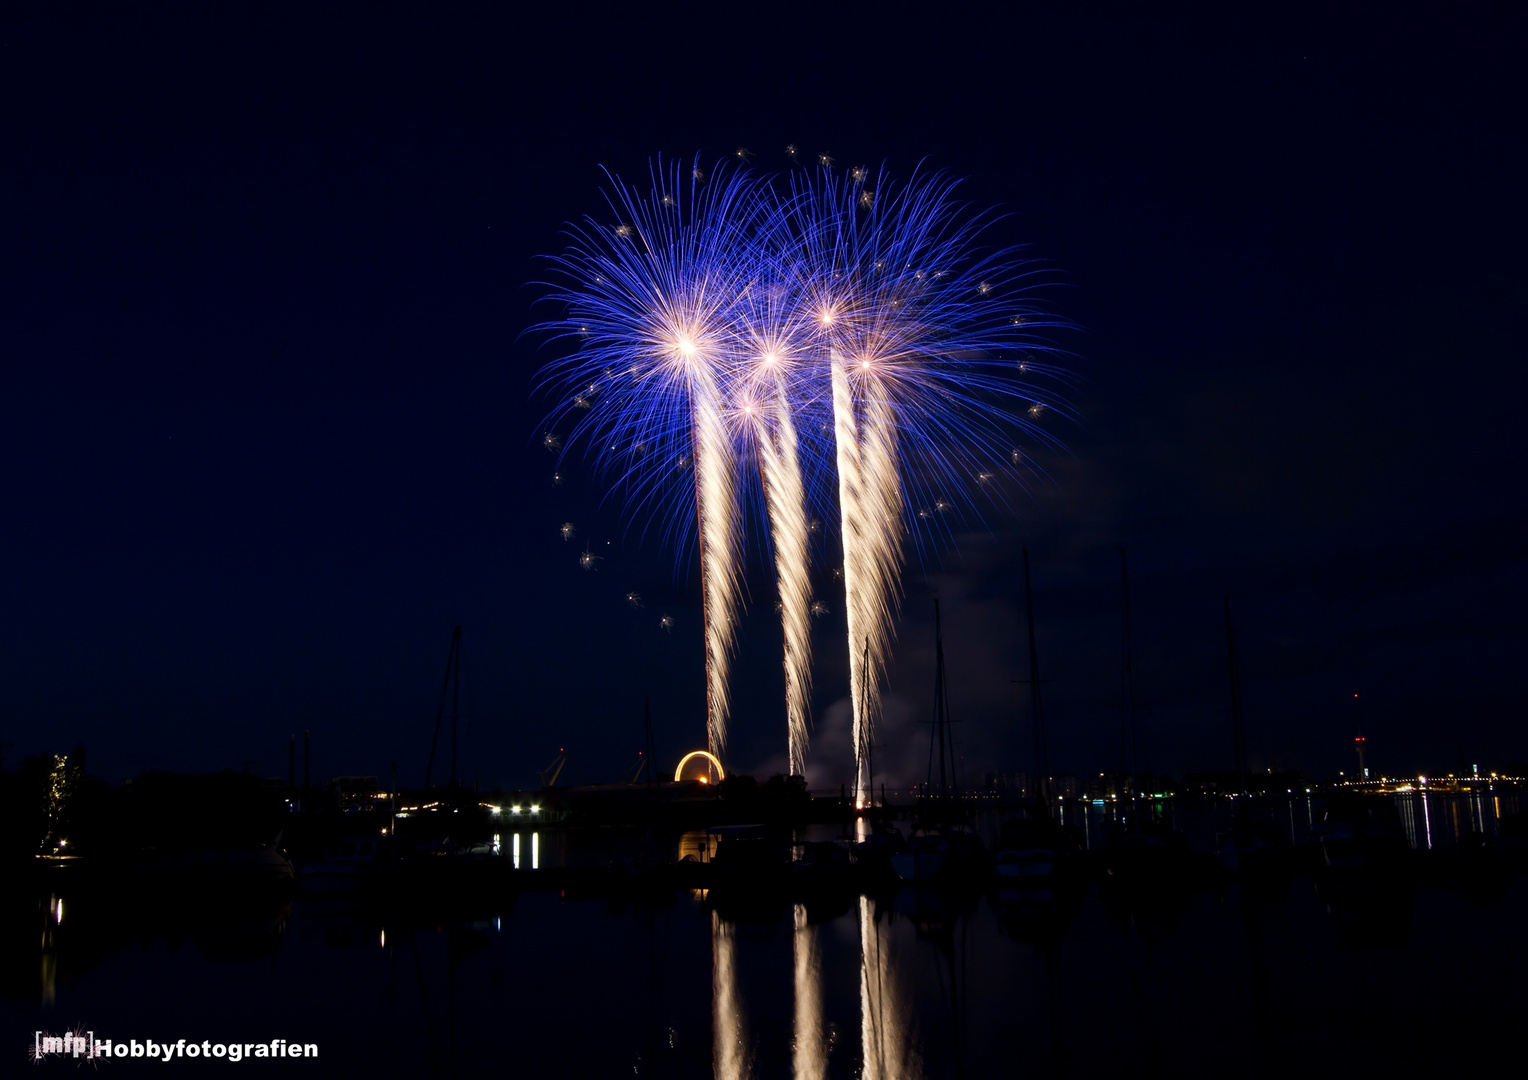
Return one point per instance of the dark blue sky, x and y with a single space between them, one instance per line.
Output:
266 430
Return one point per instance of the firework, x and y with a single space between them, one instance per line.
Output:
785 498
766 376
650 301
836 343
913 330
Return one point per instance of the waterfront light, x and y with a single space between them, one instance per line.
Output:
704 778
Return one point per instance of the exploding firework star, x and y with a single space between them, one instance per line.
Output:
765 376
838 343
917 344
649 301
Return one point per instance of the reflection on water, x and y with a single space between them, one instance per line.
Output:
731 1041
1433 820
514 850
1445 819
53 918
698 845
901 986
882 1024
809 1051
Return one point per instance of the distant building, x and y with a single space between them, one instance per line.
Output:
1010 784
1063 786
355 792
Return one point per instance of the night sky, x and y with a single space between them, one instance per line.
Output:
267 430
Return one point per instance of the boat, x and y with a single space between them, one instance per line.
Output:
942 847
235 867
921 858
941 853
1031 851
748 851
348 865
1024 865
872 854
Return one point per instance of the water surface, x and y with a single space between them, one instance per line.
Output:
918 984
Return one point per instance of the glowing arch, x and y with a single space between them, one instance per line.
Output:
717 765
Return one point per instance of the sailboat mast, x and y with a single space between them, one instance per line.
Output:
440 712
647 741
869 729
949 724
456 696
940 719
928 778
1042 780
1238 722
1129 764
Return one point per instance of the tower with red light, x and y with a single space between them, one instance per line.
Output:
1358 744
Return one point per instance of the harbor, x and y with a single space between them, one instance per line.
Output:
726 543
448 844
717 946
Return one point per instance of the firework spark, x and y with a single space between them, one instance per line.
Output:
785 500
765 375
858 596
719 583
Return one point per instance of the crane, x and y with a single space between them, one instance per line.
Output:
550 774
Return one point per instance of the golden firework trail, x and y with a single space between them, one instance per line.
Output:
785 499
869 499
715 509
